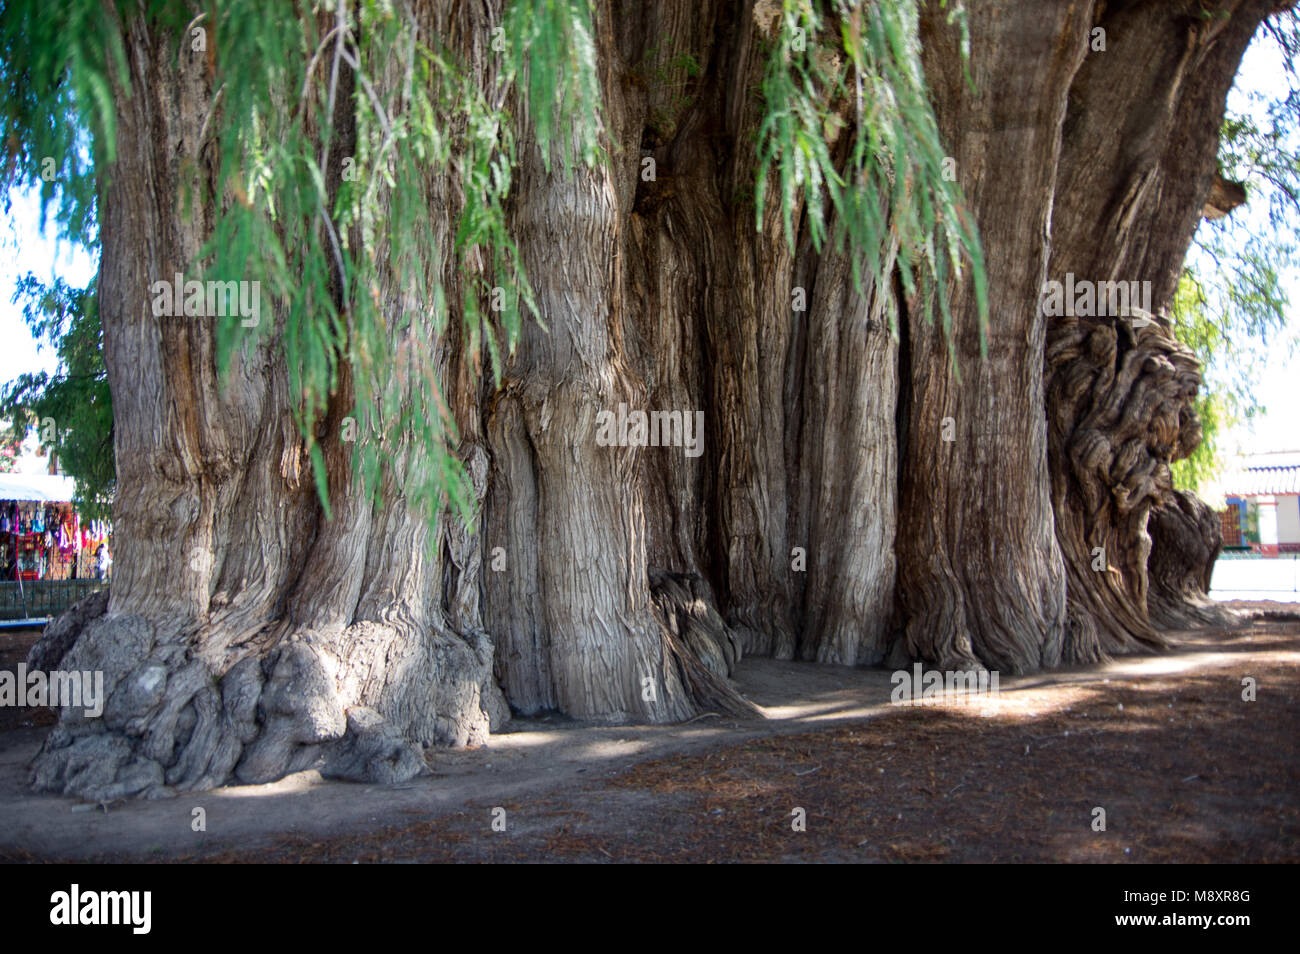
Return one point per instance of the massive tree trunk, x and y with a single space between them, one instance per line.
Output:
858 494
246 635
1138 167
980 578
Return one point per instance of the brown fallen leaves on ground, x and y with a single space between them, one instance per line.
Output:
1185 769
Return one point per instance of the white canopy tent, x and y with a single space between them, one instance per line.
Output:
46 488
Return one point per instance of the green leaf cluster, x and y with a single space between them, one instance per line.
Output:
857 64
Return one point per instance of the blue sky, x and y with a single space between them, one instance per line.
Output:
24 248
1263 71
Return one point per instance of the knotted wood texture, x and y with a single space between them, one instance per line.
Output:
860 498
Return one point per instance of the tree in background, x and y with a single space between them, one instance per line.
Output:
10 450
1231 308
1221 404
72 409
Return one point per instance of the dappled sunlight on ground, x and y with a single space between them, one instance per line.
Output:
1181 765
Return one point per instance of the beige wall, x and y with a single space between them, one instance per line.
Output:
1288 518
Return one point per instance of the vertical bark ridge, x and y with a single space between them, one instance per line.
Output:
980 575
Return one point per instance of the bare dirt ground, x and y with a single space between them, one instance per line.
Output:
1185 769
14 644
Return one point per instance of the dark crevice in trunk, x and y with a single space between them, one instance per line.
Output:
898 655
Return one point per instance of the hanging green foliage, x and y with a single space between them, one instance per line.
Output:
339 221
862 59
363 175
57 119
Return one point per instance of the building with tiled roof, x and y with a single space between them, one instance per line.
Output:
1262 497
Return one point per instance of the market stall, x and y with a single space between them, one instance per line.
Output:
45 546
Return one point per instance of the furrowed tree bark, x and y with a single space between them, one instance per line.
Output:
980 580
1138 171
847 502
1119 402
859 497
576 517
246 635
790 515
580 627
1186 539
